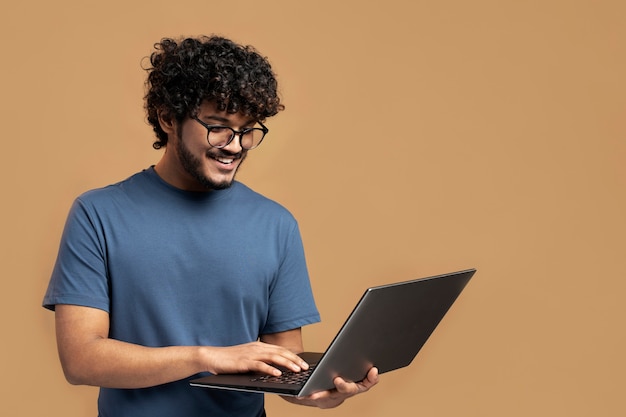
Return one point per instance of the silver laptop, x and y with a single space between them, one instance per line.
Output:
386 329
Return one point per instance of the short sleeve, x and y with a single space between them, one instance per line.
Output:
292 303
79 276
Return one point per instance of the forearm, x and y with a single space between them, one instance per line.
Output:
90 357
114 364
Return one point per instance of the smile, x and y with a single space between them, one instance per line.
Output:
223 160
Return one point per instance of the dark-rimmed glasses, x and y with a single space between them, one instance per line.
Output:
220 136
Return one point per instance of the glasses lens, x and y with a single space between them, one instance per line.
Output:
252 138
220 136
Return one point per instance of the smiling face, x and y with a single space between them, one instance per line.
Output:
190 162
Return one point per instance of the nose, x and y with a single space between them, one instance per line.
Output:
234 146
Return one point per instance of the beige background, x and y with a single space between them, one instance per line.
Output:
420 137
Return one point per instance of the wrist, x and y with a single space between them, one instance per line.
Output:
203 359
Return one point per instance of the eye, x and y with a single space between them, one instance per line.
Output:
219 129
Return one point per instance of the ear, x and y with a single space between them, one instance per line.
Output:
167 122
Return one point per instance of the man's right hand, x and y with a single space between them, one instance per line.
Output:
255 356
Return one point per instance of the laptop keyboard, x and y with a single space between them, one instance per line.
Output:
288 377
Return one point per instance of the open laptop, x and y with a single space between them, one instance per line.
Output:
386 329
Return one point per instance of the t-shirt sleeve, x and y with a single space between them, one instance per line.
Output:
79 276
291 298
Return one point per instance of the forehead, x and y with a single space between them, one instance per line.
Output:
208 111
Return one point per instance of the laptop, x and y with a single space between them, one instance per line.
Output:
386 329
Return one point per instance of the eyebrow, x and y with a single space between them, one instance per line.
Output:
224 120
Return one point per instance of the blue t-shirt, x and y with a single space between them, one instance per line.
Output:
173 268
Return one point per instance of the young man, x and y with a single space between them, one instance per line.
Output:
180 270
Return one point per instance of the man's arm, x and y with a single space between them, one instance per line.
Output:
88 356
292 340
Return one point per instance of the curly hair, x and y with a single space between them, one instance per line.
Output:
183 74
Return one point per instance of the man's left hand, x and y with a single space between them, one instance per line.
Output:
343 390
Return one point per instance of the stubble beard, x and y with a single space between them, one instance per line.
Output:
193 166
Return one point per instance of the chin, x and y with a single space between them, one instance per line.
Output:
214 184
222 185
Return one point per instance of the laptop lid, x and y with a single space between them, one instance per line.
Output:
386 329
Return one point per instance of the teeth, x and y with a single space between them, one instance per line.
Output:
225 160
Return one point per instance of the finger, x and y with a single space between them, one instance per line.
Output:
269 359
289 360
321 396
297 361
266 368
353 388
372 378
345 387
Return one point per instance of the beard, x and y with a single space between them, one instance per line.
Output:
193 166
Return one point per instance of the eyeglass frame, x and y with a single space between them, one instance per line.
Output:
239 133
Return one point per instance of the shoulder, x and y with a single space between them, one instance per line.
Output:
113 199
127 186
247 196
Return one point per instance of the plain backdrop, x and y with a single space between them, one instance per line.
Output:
419 137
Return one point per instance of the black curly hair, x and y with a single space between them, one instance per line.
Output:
185 73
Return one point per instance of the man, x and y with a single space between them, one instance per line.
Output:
180 270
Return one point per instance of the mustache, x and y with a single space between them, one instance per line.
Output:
221 153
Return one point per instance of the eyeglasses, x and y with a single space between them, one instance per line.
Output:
220 136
